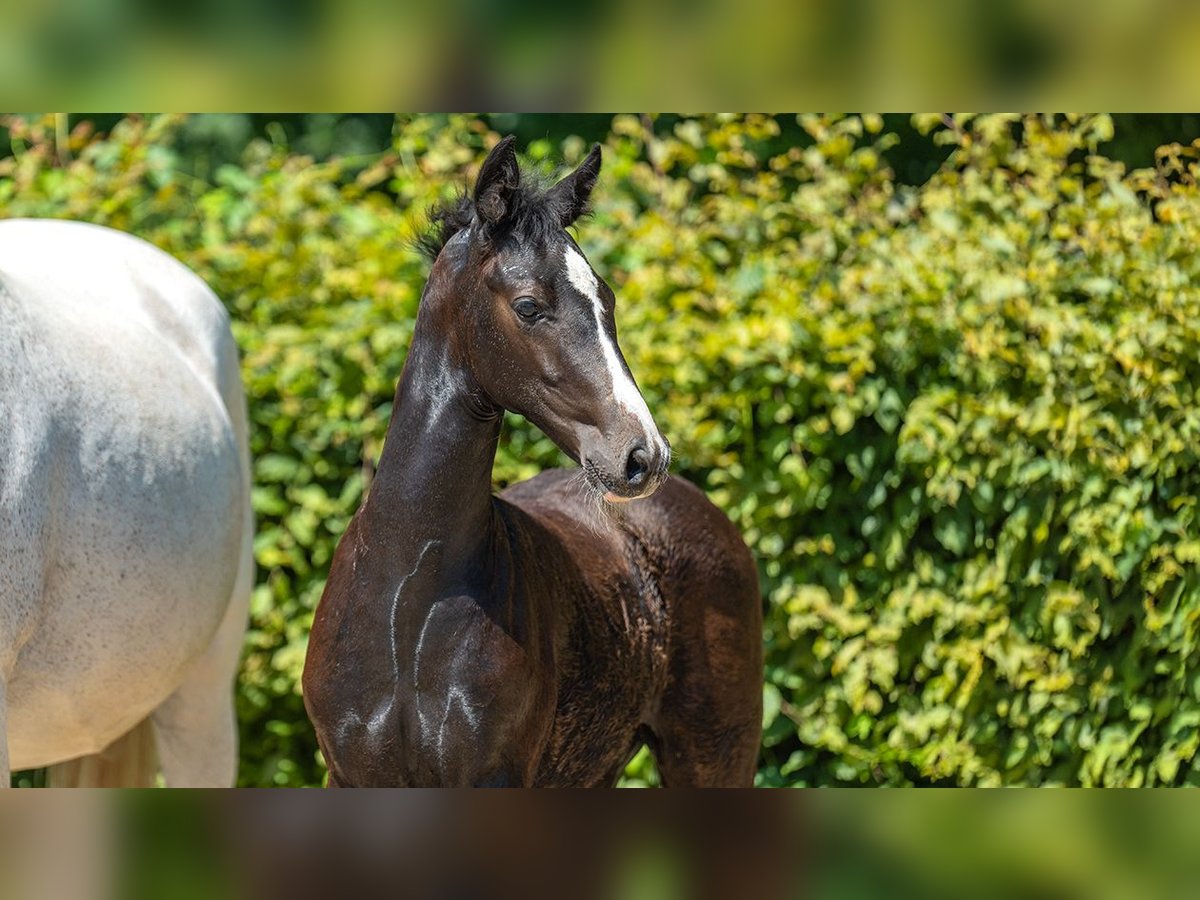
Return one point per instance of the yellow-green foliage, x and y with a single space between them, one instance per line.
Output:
958 424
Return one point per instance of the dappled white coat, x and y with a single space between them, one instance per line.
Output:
125 531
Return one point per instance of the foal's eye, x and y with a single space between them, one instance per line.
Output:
527 308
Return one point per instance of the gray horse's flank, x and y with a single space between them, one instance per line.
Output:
125 523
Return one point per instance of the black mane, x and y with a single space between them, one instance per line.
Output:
535 215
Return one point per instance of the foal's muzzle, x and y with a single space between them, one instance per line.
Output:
636 472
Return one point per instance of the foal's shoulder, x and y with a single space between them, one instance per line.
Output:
557 492
680 511
545 486
549 494
556 502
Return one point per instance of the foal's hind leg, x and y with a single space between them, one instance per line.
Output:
694 749
196 728
708 725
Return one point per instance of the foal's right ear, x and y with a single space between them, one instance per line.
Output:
498 180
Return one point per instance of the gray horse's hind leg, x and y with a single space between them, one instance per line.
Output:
195 728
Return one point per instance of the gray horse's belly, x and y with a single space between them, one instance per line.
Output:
134 588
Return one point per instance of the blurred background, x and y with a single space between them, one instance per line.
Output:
940 370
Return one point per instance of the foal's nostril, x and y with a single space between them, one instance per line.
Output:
637 467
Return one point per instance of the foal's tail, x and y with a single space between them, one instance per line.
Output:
129 761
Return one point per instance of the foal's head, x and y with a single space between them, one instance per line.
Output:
534 323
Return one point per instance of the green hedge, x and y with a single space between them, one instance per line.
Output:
957 423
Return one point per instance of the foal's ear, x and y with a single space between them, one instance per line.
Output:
498 179
570 196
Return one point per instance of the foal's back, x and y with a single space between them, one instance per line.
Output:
659 632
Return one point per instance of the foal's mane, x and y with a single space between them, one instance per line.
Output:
535 214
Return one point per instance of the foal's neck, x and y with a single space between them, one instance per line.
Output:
433 487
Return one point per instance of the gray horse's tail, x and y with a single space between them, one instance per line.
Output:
129 761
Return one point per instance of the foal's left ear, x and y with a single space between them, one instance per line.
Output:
570 196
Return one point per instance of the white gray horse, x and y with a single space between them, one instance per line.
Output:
125 524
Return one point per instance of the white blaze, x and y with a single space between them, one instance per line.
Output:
624 391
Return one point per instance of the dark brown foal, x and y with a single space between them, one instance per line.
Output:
539 637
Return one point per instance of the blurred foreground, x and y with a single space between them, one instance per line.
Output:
762 53
421 844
